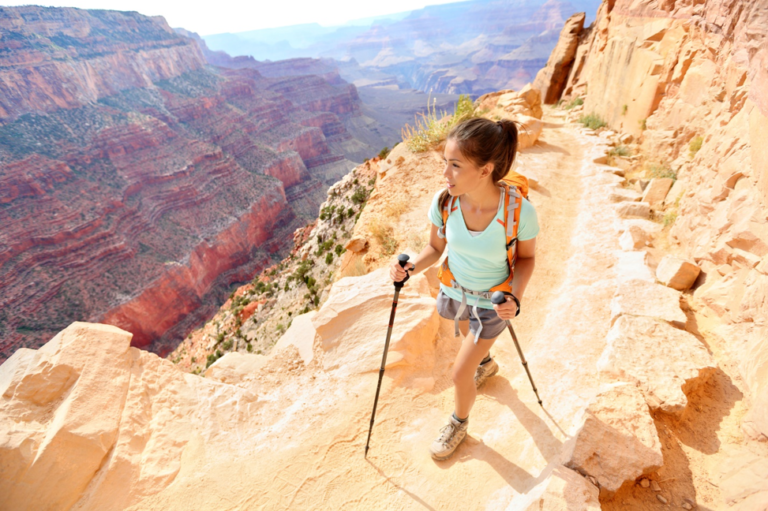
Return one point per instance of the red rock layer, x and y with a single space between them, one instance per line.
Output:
180 290
58 58
142 209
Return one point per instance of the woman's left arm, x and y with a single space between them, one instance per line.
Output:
526 260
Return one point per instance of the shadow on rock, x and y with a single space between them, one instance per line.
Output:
708 404
548 444
472 448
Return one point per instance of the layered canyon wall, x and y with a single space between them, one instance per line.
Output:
689 80
137 183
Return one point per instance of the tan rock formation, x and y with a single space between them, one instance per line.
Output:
633 209
617 441
677 273
656 191
91 423
643 298
688 81
633 238
664 361
354 309
551 79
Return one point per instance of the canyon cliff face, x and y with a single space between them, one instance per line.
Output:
689 80
137 183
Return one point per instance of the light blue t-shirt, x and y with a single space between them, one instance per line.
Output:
480 262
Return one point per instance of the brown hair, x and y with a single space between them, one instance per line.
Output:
481 141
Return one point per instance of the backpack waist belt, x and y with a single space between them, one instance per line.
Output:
463 306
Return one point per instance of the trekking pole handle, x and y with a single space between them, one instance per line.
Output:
499 297
403 260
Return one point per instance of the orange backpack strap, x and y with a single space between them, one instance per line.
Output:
512 206
448 208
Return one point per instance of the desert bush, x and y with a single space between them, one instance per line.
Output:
592 121
384 152
360 195
329 258
576 102
695 145
661 170
384 234
619 150
430 130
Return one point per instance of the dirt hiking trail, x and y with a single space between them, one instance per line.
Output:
305 448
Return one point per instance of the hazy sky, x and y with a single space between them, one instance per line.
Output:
239 16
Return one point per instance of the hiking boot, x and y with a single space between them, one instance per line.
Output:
485 371
450 437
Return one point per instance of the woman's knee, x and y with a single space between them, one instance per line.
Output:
461 374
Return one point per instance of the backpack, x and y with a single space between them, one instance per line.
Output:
514 186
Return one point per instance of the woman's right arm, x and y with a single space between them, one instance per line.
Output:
429 256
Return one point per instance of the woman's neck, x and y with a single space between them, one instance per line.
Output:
482 197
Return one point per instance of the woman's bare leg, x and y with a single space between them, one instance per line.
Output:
469 357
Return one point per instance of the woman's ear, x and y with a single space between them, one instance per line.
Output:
487 169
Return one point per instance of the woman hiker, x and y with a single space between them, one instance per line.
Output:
478 154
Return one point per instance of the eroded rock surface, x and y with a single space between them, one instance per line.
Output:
664 361
617 441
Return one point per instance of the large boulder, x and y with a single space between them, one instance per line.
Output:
551 79
617 440
87 422
664 361
528 132
358 309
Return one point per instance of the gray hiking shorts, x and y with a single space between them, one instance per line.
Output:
493 325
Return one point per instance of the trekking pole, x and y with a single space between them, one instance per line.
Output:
402 259
498 298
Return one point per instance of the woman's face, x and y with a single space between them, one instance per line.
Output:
461 175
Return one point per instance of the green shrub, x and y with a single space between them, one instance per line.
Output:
642 124
339 249
249 347
220 337
624 110
576 102
619 150
661 170
360 195
592 121
695 145
669 218
329 258
227 345
384 152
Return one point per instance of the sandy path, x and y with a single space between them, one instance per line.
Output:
305 451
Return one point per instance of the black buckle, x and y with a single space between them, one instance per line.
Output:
513 240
